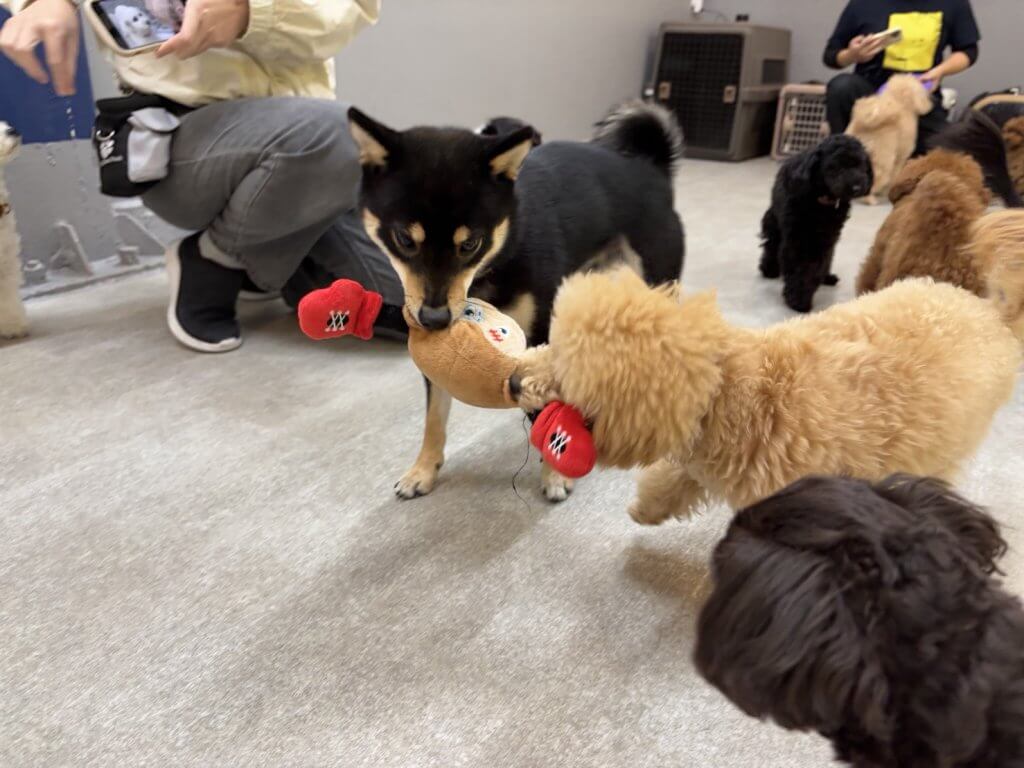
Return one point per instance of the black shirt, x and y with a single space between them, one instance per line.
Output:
929 27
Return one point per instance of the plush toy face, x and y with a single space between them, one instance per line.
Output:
472 358
500 330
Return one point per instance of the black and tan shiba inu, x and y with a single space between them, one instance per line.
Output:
495 216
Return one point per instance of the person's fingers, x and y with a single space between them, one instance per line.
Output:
873 49
186 42
184 47
22 51
61 47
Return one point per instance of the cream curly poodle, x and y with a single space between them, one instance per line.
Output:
907 379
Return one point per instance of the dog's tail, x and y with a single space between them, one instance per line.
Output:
641 129
978 136
996 245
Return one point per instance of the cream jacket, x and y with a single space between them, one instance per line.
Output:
287 50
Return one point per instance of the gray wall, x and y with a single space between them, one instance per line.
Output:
560 63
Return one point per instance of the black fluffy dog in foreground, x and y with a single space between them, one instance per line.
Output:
869 613
810 205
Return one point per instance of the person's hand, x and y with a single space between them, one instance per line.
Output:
932 79
207 24
864 48
54 23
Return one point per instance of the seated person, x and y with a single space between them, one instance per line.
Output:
929 28
262 168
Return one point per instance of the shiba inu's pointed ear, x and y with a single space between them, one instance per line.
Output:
507 153
376 141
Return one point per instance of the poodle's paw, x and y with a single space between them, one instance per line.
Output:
830 279
798 303
418 481
770 270
533 385
555 487
648 513
13 320
14 331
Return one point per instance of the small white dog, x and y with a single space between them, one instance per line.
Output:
135 25
13 322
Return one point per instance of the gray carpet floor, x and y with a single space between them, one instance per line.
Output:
202 563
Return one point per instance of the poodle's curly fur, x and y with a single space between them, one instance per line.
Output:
870 614
904 380
886 123
996 246
810 204
1013 134
13 321
936 199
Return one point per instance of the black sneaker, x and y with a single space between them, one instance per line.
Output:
201 313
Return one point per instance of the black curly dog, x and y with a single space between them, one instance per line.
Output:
870 614
810 205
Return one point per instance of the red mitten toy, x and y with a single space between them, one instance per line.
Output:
564 442
343 308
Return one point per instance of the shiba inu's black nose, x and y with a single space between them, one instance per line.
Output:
11 132
435 318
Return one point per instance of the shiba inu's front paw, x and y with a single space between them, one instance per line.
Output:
418 481
555 487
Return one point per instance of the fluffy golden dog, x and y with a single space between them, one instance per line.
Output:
1013 134
996 246
906 379
936 199
886 125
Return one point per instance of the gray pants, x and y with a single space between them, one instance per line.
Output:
273 181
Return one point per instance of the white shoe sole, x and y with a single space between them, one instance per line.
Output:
179 333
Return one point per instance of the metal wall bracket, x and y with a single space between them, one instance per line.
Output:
70 253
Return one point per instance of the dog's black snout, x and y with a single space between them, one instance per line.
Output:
515 386
11 131
435 318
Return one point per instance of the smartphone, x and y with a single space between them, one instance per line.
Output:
889 37
131 27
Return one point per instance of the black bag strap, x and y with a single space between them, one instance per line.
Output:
119 108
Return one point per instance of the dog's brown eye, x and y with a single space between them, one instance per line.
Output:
469 246
403 240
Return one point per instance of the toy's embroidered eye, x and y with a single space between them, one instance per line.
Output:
503 331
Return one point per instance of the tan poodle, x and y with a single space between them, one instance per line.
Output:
1013 134
904 380
936 199
996 246
886 125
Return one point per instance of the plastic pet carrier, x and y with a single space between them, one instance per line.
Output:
801 123
722 81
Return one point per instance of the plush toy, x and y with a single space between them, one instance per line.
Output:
472 359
